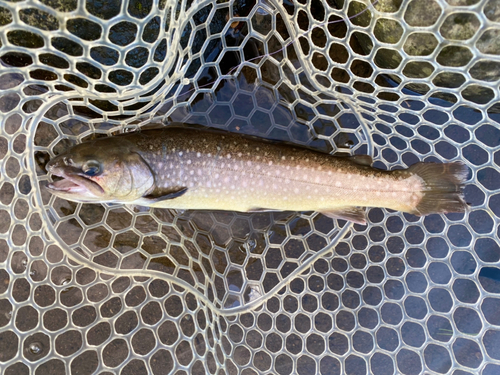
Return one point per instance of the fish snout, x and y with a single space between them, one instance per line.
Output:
57 164
51 165
59 161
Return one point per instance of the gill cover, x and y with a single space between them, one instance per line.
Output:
127 178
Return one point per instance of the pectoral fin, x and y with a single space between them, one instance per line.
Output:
354 214
158 196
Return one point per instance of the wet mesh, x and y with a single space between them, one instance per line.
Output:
108 289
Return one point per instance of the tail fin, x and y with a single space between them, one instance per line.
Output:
443 184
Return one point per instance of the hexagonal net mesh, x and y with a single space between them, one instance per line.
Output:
108 289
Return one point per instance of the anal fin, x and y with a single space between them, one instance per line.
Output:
354 214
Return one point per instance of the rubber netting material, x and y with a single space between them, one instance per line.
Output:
107 289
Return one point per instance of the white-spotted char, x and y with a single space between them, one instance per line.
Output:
183 168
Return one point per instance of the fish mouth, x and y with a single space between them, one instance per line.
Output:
73 185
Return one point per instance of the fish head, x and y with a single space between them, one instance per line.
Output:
104 170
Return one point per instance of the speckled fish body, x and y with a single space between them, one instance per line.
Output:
184 168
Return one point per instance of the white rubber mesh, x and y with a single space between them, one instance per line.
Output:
104 289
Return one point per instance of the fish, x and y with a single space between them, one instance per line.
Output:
184 168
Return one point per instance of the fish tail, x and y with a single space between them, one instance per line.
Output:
443 185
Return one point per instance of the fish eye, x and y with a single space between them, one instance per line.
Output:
91 168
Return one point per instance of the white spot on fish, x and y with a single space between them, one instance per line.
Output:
189 161
180 153
338 184
198 154
270 163
228 156
283 158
